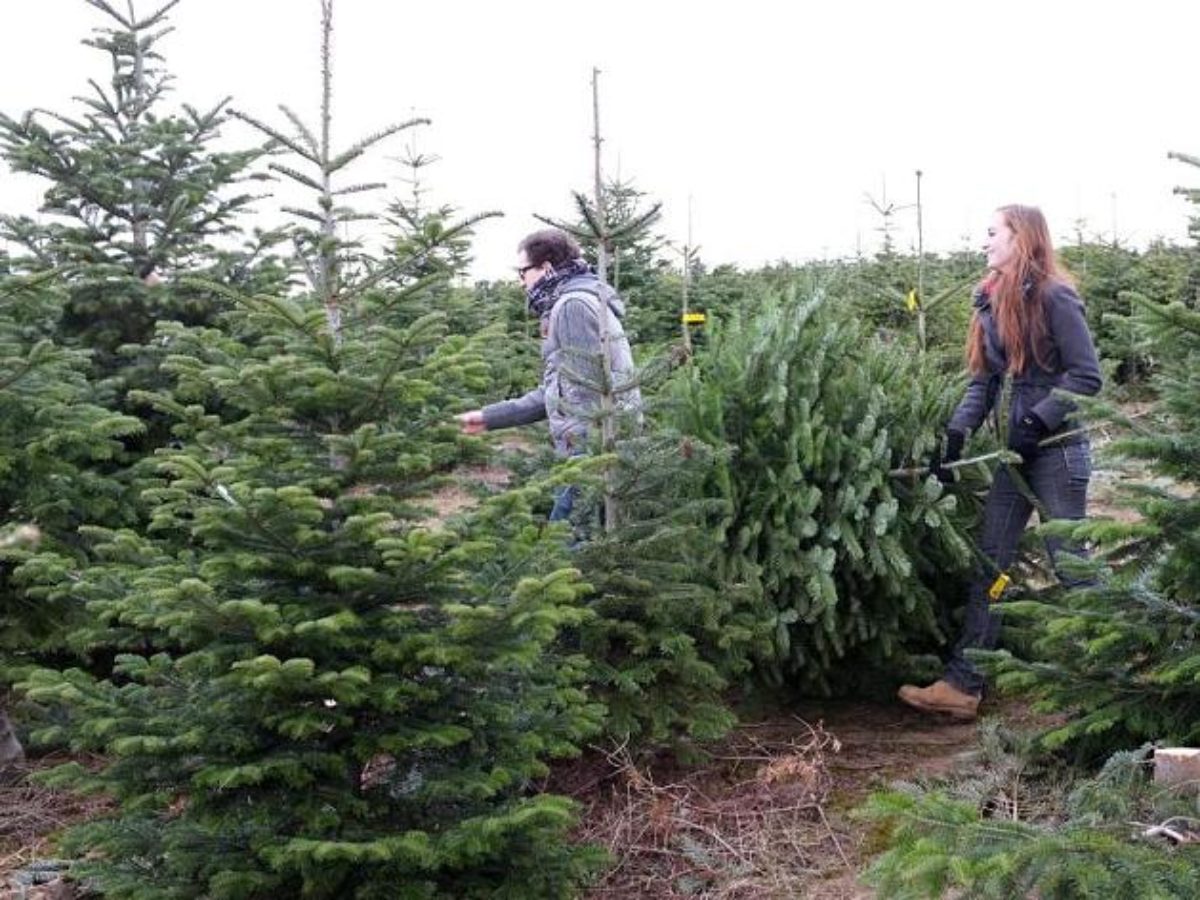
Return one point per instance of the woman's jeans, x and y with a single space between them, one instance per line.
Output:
1058 477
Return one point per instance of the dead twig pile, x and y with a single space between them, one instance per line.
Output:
750 823
30 814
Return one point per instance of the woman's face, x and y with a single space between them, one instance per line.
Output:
999 244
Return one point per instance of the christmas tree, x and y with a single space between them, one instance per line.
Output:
136 196
840 557
321 689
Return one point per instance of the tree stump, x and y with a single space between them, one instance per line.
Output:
1177 766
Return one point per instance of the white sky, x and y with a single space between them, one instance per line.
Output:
775 118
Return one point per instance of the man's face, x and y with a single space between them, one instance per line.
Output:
529 275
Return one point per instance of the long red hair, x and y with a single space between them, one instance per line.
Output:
1020 313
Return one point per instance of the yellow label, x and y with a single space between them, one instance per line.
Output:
1002 581
694 318
912 301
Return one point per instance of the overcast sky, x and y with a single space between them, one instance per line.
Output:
775 118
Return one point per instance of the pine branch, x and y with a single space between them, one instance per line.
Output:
638 224
295 175
1185 158
562 226
360 188
103 6
305 133
359 148
276 136
304 214
591 217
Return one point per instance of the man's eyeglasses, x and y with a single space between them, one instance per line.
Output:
521 270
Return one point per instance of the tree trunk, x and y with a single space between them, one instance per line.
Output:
11 751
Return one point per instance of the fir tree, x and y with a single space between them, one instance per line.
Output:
841 560
338 269
945 843
136 195
430 238
665 638
323 690
348 702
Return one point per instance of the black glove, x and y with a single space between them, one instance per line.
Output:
1025 434
952 448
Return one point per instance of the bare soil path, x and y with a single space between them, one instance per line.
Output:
769 814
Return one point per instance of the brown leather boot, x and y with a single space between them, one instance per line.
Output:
941 697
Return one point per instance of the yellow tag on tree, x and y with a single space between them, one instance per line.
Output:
912 301
1002 581
694 318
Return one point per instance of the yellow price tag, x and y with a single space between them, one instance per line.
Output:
912 301
1002 581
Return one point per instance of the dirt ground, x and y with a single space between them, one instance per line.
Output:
769 814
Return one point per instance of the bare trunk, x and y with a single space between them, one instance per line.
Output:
607 392
11 751
327 265
920 270
687 277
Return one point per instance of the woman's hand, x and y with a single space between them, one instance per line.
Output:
1025 435
952 448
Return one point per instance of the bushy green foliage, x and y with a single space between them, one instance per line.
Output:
665 639
943 846
346 699
840 557
51 431
319 689
51 438
1111 279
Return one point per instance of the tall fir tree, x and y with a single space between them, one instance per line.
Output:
137 195
324 691
350 700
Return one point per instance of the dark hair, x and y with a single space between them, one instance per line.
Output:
550 245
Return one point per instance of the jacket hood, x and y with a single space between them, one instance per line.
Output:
591 284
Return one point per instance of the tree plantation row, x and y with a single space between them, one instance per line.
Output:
235 592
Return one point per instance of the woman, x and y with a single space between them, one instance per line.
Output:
1028 324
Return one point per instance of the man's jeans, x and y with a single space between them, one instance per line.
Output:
1058 478
564 503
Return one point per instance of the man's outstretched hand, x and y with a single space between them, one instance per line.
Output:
471 422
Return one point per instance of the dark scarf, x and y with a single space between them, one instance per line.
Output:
542 296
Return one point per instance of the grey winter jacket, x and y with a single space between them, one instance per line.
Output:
1071 360
571 367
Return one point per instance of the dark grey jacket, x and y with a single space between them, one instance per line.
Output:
1071 361
571 366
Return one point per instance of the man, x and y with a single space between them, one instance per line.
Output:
566 296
